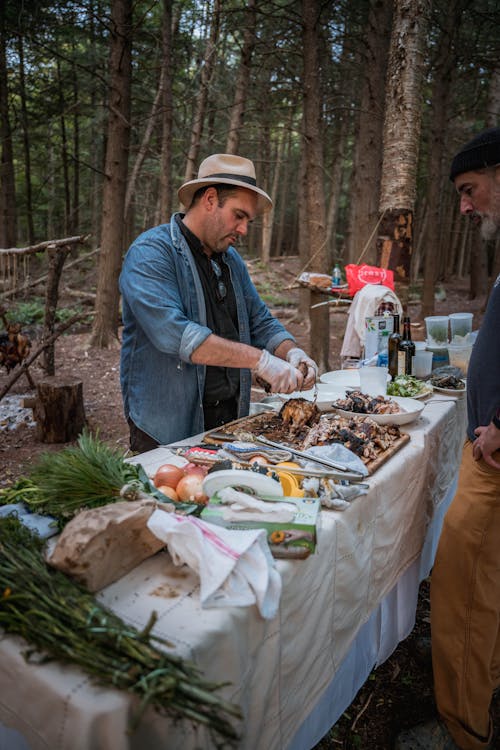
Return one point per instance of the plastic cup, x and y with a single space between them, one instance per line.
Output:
373 380
460 325
459 355
422 363
437 330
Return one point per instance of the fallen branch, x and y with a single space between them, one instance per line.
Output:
22 368
41 279
361 712
44 245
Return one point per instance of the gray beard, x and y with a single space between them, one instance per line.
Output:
490 227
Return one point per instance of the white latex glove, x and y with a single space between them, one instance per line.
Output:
281 376
296 356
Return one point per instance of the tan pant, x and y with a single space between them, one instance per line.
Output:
465 605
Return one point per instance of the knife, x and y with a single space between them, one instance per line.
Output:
348 473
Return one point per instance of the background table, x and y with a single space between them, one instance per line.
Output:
342 611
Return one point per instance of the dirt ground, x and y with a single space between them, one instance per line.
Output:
399 693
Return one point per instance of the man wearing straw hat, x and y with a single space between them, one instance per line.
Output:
465 582
195 328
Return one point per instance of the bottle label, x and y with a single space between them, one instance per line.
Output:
401 363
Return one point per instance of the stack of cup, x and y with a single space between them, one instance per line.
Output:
461 326
437 339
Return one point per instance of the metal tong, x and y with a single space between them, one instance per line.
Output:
354 476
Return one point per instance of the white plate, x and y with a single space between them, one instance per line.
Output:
339 379
252 481
410 410
325 395
450 391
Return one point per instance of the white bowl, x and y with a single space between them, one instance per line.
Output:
339 379
324 396
410 410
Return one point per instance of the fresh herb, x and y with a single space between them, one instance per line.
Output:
88 475
64 622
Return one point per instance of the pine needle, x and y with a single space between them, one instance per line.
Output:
62 621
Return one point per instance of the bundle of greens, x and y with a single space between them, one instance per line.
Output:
87 475
64 622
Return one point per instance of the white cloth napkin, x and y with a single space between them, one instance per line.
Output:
235 567
245 507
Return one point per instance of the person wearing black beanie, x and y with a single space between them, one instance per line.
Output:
482 151
465 580
475 170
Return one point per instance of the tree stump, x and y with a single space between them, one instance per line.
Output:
59 412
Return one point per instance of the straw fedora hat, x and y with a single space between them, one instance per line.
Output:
225 169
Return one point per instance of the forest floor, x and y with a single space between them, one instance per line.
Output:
398 694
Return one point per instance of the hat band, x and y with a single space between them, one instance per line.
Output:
229 176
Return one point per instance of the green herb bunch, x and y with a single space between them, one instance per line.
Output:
88 475
62 621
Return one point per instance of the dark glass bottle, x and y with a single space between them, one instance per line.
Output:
406 349
393 346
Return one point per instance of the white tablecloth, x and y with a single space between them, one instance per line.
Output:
342 610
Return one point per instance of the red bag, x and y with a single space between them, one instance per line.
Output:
359 276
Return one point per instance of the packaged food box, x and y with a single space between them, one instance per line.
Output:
296 539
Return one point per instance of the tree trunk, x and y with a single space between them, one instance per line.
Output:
8 211
56 257
315 196
403 115
268 217
59 411
113 200
26 141
206 72
167 115
367 158
437 178
64 148
242 81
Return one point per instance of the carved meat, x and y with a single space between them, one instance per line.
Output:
298 413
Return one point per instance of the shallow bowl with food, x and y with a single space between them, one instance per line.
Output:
409 411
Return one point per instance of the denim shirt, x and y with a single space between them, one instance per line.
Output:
164 321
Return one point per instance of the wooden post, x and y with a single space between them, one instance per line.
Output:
59 412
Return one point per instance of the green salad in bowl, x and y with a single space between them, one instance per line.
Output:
408 387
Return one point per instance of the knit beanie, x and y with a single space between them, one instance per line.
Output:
481 151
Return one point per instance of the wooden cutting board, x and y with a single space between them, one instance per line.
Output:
256 425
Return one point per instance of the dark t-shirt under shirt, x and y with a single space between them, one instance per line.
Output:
221 383
483 374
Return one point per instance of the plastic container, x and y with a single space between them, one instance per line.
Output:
459 355
373 380
422 363
437 331
440 356
460 325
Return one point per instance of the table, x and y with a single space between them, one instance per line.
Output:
342 611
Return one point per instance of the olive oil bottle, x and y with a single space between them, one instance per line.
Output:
406 349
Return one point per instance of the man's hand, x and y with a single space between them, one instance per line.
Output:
486 443
281 376
298 357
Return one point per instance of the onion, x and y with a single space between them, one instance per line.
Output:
169 492
168 475
194 469
189 486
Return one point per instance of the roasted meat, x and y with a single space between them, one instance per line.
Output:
298 413
361 403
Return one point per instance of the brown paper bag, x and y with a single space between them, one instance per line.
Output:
99 546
